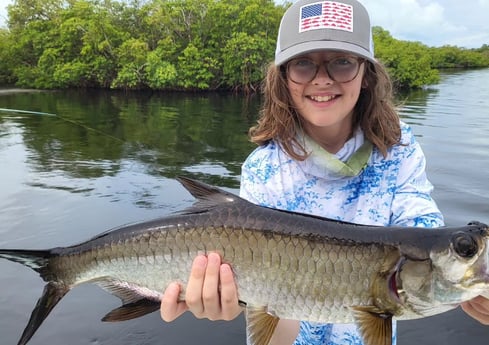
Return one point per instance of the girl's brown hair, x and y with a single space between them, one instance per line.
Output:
374 112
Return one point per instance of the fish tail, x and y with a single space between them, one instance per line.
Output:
53 292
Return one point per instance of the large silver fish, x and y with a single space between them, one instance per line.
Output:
287 265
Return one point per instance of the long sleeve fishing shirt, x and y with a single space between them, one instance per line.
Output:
357 184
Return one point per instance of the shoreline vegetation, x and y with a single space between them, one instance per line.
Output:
177 45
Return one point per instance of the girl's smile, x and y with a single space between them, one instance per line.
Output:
326 106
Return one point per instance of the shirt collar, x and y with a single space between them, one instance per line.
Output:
348 161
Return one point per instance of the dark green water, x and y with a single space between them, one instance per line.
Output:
108 159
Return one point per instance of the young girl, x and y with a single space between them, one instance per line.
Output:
330 144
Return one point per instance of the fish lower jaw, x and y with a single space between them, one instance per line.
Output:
418 312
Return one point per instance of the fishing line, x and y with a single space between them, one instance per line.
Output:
21 111
72 122
7 110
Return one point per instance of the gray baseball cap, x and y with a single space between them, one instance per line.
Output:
312 25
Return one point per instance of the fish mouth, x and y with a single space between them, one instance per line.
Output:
394 282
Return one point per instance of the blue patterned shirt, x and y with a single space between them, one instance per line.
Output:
392 190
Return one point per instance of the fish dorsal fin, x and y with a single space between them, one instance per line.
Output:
260 326
202 191
137 301
375 326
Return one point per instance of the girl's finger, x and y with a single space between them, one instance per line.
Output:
229 294
171 308
211 296
193 294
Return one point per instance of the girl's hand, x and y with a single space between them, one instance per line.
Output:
210 293
478 308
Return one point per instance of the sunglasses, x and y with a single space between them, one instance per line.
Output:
341 69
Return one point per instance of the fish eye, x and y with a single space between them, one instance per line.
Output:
464 245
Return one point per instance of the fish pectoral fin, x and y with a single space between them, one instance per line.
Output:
375 325
136 300
132 310
260 326
128 292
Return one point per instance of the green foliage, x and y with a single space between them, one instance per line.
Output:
454 57
244 60
72 74
176 45
6 58
131 57
196 69
161 74
413 64
158 44
484 50
409 63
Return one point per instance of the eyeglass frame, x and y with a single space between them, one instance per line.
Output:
325 63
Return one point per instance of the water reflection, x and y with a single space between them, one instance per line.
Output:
105 134
101 139
412 105
454 133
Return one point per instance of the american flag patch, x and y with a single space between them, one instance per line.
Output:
326 15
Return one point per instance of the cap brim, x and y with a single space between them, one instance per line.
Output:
312 46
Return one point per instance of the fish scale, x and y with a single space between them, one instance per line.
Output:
271 270
286 265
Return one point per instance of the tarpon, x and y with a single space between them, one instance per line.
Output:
286 265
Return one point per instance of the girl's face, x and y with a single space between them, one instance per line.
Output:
326 105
